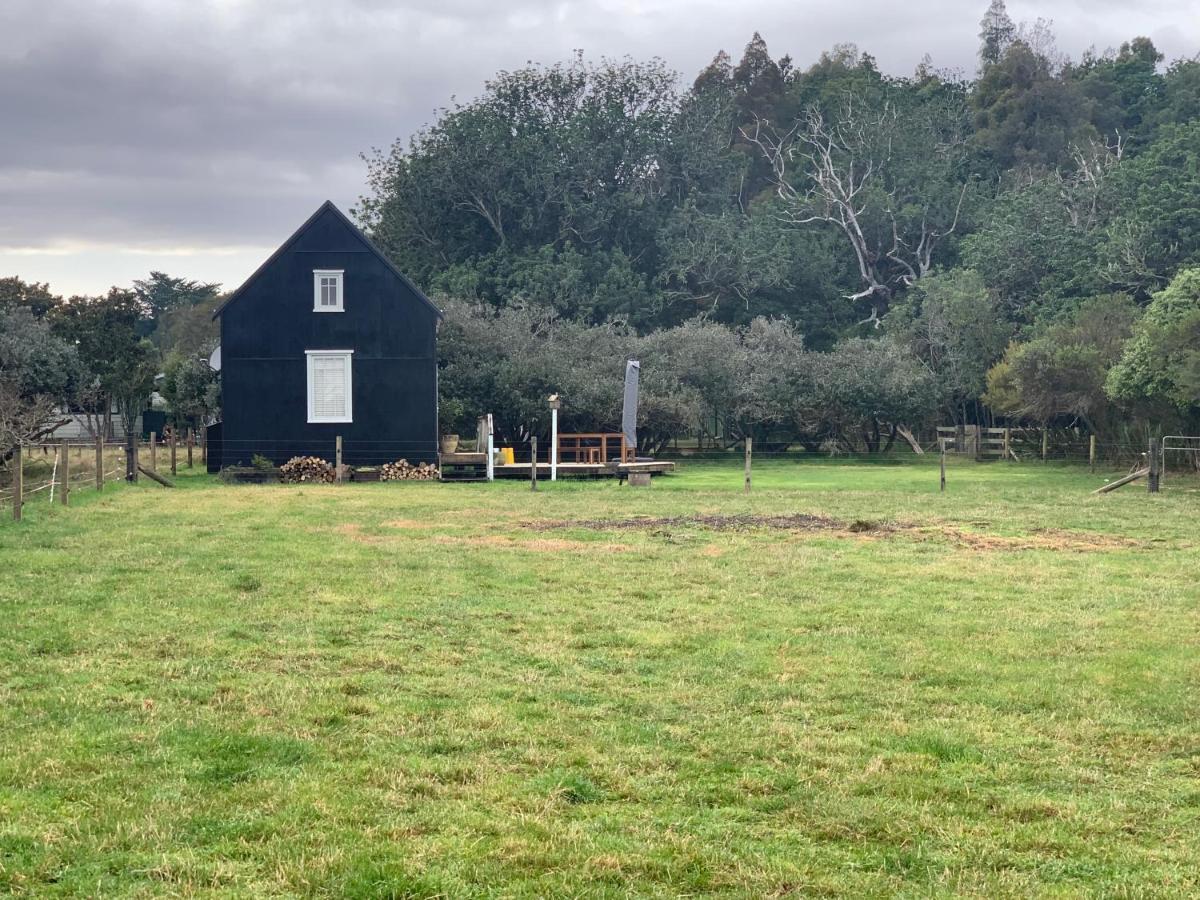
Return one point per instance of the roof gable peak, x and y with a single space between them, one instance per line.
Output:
328 206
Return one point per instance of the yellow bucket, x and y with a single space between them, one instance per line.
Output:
506 456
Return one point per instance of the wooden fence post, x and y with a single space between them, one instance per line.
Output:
130 457
1045 443
749 455
337 459
942 469
64 494
173 442
154 451
533 463
1007 443
1092 453
1152 477
99 462
18 485
191 442
978 442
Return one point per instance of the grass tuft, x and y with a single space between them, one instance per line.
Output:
571 787
246 584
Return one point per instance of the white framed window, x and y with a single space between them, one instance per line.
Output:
327 290
330 387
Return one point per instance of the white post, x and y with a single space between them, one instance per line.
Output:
554 445
491 462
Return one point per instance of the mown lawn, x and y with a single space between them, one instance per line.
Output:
418 690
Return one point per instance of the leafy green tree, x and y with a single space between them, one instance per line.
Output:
547 156
1037 245
713 260
700 165
863 393
121 363
32 295
161 293
192 390
189 329
1124 90
39 376
177 313
591 285
758 85
1156 228
1159 371
953 324
1062 372
1180 93
1025 115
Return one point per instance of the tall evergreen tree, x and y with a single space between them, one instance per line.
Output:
996 33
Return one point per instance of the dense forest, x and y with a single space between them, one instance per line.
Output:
823 256
823 252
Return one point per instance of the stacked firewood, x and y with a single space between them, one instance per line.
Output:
306 468
403 470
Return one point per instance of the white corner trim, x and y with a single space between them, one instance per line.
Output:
338 285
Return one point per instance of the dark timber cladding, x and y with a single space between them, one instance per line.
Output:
383 402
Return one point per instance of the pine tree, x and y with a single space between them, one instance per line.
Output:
718 74
996 32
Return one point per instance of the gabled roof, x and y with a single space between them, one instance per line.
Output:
328 205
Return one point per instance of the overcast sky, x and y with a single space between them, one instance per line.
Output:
193 137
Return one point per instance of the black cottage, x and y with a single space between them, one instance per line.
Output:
327 338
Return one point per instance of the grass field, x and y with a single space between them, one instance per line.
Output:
422 690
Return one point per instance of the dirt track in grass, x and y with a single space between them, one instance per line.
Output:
1055 540
798 522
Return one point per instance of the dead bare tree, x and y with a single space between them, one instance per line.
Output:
1083 189
25 418
880 174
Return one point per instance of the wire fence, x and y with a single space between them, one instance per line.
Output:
49 467
1016 445
1098 455
1024 445
53 472
48 472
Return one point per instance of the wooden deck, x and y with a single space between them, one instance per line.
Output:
570 469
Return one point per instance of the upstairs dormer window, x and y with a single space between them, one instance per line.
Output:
327 290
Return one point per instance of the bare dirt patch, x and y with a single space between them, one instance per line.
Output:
745 522
1065 541
538 545
797 524
1048 539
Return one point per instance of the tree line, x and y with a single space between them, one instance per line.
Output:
824 255
104 355
1015 245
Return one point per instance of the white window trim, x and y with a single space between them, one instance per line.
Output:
348 356
318 274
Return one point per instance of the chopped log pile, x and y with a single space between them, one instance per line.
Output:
307 469
403 470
